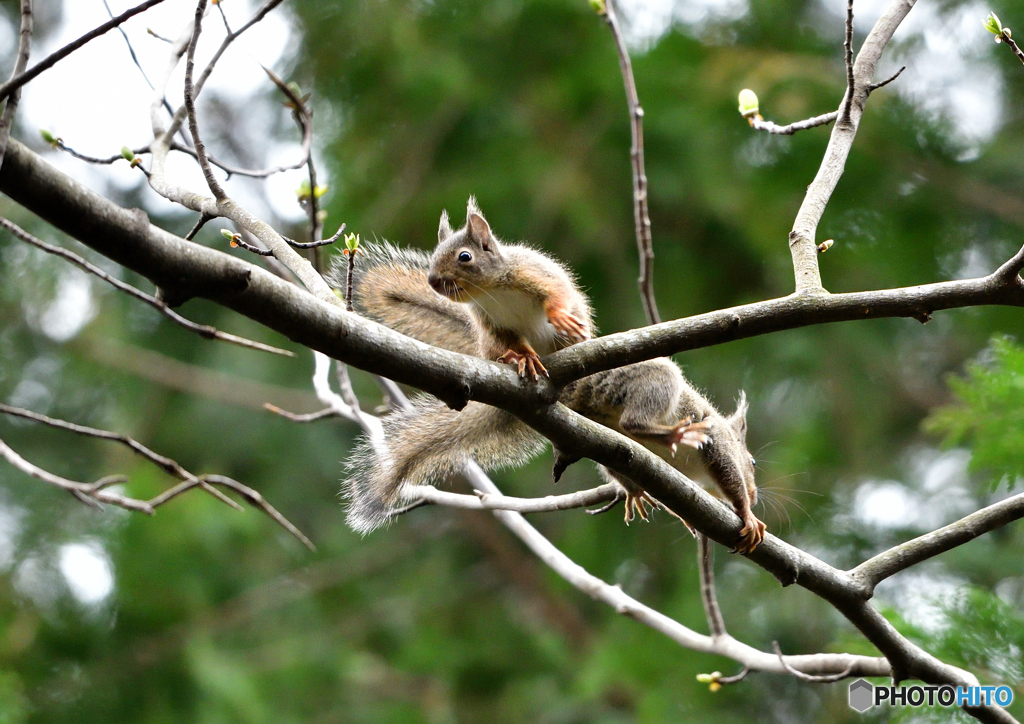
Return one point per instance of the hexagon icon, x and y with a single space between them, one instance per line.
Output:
862 695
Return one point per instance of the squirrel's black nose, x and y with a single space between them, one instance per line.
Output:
434 280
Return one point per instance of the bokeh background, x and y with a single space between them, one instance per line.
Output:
866 433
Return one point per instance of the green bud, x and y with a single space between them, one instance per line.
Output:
320 191
49 137
126 154
598 6
748 103
303 191
227 234
992 24
351 241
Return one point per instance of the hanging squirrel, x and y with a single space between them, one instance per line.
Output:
507 302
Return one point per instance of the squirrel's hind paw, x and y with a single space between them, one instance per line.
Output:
689 433
637 501
751 535
527 362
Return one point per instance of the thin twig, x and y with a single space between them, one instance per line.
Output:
315 244
131 50
203 220
308 417
86 492
641 217
190 106
207 482
759 124
1005 38
848 52
706 561
21 79
351 254
24 49
203 330
104 161
810 678
237 240
875 86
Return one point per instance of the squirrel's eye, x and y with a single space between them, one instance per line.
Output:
753 462
465 257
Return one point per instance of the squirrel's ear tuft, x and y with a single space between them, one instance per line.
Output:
738 419
444 230
472 208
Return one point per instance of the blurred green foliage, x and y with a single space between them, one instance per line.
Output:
988 414
217 616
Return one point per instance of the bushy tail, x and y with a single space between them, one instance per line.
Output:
424 445
389 285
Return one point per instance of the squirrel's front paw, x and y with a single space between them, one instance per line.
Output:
751 535
528 363
689 433
568 325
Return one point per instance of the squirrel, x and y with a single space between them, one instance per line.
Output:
507 302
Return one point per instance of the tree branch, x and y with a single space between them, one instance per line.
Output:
166 464
20 62
641 216
203 330
21 79
888 563
488 501
802 244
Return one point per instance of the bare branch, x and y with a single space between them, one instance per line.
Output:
488 501
203 330
882 83
168 465
20 63
104 161
929 545
820 679
802 244
190 106
86 492
758 123
1004 37
308 417
848 53
21 79
706 565
641 216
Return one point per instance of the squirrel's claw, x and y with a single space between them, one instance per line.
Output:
638 501
751 535
527 362
688 433
568 325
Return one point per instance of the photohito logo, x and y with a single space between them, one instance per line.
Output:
864 695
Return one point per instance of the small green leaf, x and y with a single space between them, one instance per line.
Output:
49 137
748 103
227 234
126 154
598 6
992 24
320 191
352 242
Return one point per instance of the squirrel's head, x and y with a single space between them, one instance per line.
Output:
466 262
738 423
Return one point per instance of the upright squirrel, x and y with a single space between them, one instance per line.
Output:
480 296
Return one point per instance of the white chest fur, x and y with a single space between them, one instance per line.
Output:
524 313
